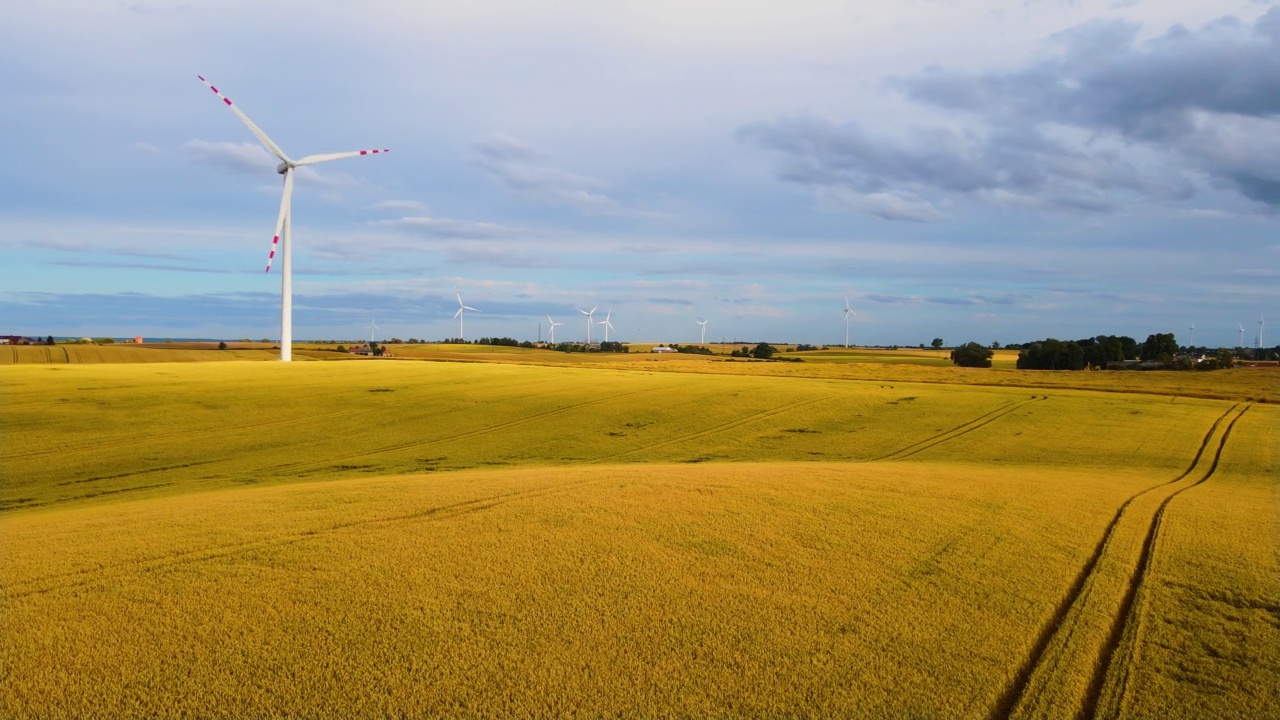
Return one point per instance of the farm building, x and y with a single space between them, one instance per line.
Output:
662 349
18 340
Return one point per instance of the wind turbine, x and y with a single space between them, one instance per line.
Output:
553 325
1193 337
1262 324
607 325
847 312
458 315
702 337
588 314
373 327
284 222
1240 342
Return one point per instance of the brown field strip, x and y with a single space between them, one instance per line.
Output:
1064 673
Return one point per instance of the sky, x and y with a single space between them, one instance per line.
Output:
997 171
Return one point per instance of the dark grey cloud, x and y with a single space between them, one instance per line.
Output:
1102 121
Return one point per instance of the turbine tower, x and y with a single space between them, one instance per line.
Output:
284 222
588 313
552 325
1240 342
847 312
373 327
458 315
1262 325
607 325
702 337
1193 337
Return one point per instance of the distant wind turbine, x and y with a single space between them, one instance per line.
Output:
284 222
1193 337
373 327
552 325
702 337
588 313
847 312
1240 342
458 315
1262 325
607 325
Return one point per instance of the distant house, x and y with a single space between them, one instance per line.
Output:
662 349
18 340
360 350
137 339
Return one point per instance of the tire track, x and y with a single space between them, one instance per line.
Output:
961 429
185 434
105 572
762 415
1128 626
285 467
1024 696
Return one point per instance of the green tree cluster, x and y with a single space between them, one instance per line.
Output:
972 355
1051 354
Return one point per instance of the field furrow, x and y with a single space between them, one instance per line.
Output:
1060 676
1111 681
962 429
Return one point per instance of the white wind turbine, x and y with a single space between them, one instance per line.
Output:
458 315
607 325
1262 324
373 327
847 312
1240 342
553 325
588 313
284 222
702 336
1193 337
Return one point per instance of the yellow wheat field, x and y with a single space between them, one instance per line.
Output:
400 539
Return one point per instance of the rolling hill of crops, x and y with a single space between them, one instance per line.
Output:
393 538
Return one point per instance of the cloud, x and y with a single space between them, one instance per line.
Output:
526 171
447 228
398 205
1100 122
253 159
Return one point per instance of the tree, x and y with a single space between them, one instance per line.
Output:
763 351
995 346
972 355
937 343
1225 358
48 340
1051 354
1160 346
222 345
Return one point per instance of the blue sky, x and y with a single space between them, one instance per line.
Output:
990 171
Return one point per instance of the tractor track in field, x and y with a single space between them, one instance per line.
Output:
517 422
1062 627
199 432
1128 625
963 428
731 424
103 572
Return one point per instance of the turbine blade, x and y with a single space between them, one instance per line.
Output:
326 157
257 131
455 315
468 307
284 212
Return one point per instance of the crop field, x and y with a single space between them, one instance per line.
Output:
633 538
